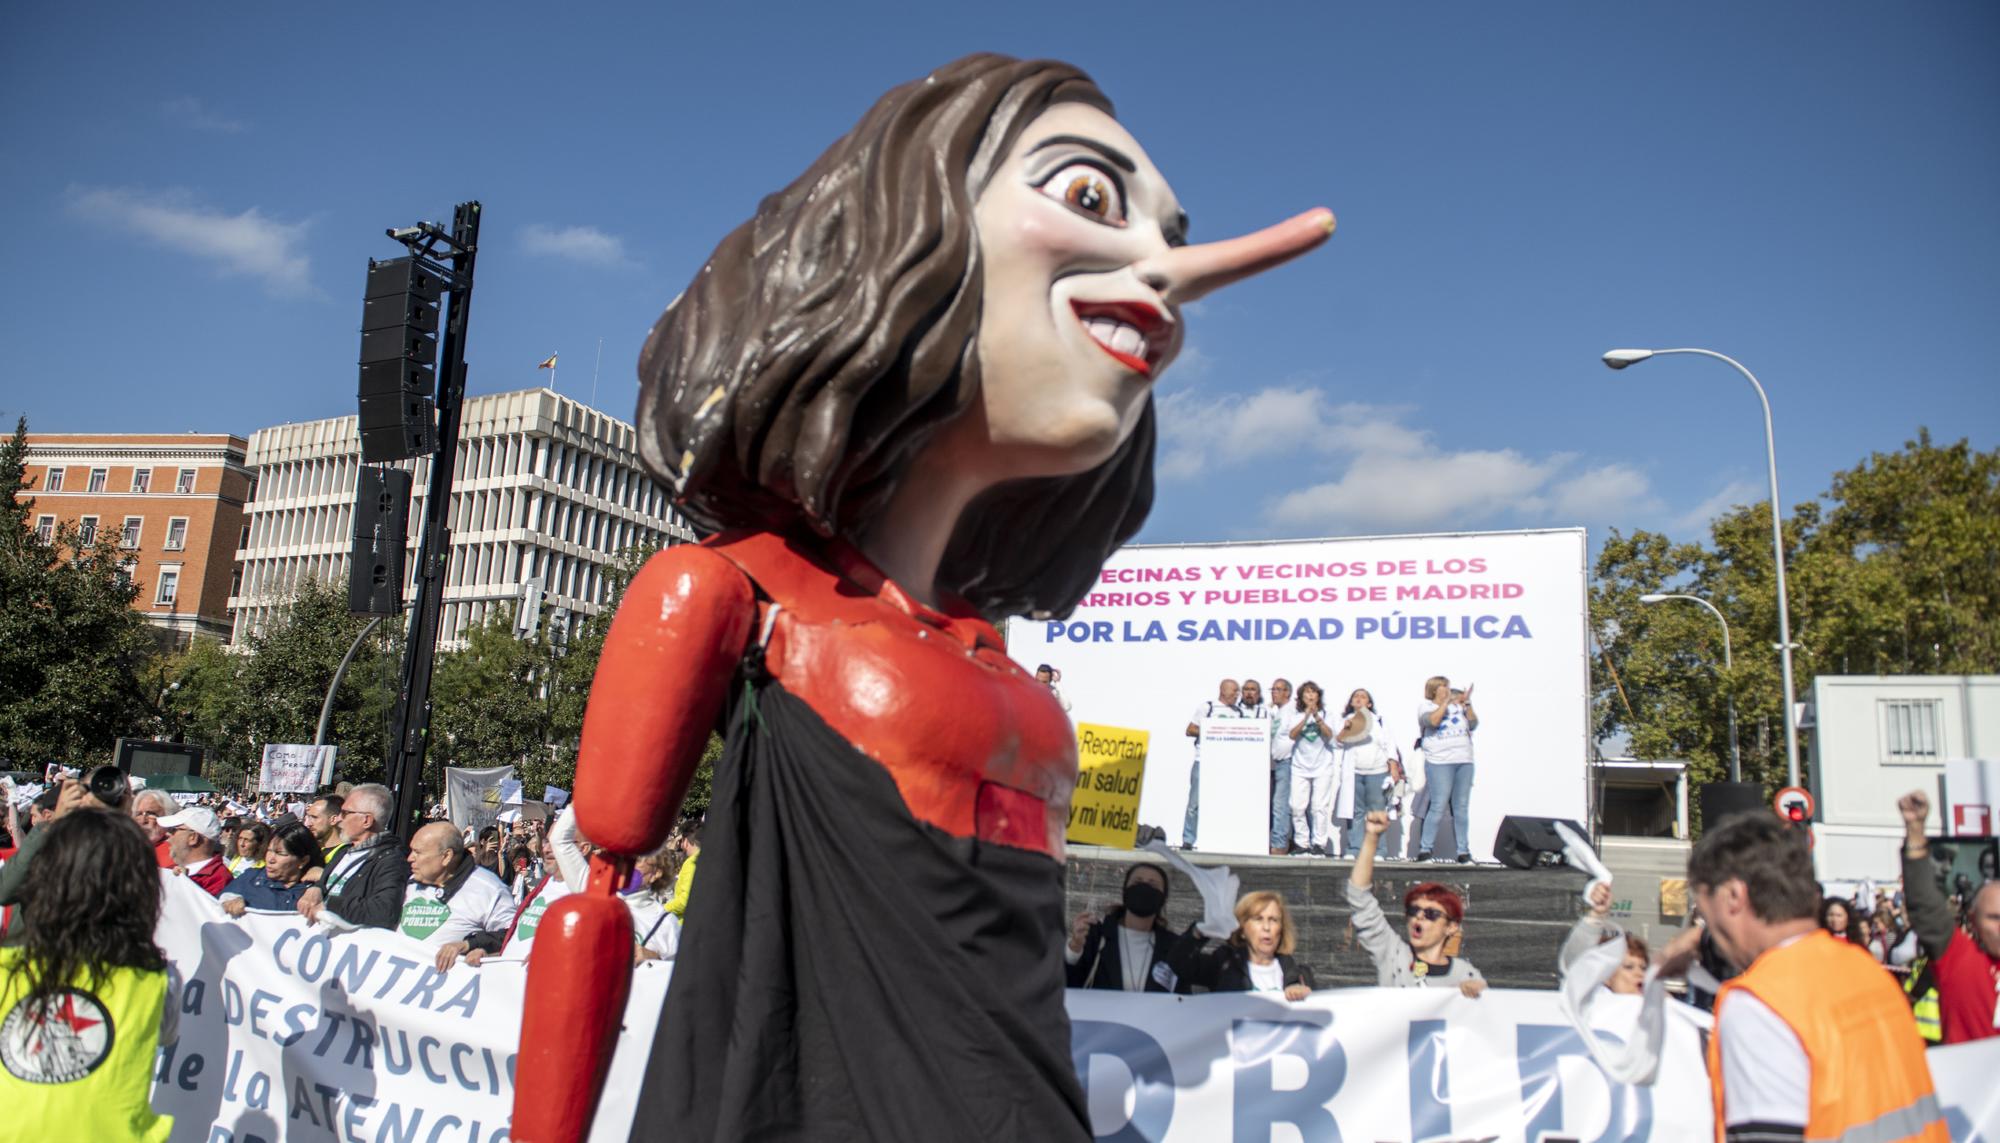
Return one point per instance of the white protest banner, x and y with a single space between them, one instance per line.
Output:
555 796
290 1033
474 797
1504 611
1235 785
293 768
1417 1063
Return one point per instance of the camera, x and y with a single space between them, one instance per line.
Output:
108 785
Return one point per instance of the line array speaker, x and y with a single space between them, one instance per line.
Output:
381 528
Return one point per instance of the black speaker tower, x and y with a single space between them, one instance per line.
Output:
1524 842
412 393
399 321
381 530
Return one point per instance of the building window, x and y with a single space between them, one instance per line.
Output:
142 479
87 531
177 533
170 583
236 582
129 535
185 483
54 481
244 540
45 528
1909 729
125 570
97 479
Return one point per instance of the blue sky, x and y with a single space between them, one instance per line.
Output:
192 192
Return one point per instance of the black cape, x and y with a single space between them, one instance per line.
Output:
848 972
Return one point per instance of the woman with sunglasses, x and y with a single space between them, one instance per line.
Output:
1433 915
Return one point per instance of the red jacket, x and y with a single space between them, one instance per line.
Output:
1967 983
212 877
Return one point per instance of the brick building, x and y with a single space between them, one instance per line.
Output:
174 503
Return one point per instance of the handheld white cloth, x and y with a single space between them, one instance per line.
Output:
1217 886
1585 975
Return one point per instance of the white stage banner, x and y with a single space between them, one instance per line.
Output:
1503 611
291 1033
475 798
294 768
1235 785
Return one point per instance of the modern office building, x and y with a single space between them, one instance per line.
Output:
548 493
173 502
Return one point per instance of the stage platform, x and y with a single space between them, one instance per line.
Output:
1515 919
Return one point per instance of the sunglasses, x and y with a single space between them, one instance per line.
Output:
1426 912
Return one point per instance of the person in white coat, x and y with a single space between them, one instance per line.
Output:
1315 772
1367 754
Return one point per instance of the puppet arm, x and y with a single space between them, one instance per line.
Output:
665 670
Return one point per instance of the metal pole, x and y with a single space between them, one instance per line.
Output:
339 673
1778 556
1729 667
413 702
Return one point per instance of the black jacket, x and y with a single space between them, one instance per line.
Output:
1226 968
1102 963
372 895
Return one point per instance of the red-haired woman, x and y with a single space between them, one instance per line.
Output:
1432 916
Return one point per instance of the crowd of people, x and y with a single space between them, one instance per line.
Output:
82 893
1331 769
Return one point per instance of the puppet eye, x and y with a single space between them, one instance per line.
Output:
1088 191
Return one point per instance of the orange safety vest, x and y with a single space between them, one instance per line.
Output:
1870 1082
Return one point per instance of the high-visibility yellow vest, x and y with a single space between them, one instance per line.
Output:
1924 1005
81 1067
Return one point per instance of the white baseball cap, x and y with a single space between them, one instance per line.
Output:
200 819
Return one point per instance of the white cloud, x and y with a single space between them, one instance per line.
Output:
1607 492
1731 495
189 112
245 243
585 244
1357 468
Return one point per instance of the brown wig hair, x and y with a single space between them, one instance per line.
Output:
830 336
1251 904
91 905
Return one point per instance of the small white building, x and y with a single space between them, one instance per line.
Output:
1876 738
547 493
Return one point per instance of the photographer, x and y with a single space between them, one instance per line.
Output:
103 788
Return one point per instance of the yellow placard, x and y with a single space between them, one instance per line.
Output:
1110 772
1673 896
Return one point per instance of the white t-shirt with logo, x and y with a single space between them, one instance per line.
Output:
483 904
1451 739
1214 708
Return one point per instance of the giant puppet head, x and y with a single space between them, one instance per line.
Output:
973 290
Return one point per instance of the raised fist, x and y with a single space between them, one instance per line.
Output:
1915 808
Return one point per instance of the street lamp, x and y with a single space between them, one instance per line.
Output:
1619 359
1728 666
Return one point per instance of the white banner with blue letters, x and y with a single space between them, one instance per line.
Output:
290 1033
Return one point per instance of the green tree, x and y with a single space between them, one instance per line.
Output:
71 647
284 673
1895 570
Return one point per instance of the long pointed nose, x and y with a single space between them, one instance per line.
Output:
1189 273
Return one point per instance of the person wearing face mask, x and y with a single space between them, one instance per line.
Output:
1434 914
1131 949
1257 957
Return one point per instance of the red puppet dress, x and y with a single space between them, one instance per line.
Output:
880 888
